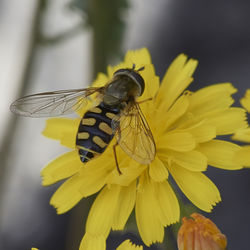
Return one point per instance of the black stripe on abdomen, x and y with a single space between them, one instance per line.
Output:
94 132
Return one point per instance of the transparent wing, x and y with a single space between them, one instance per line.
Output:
52 103
134 135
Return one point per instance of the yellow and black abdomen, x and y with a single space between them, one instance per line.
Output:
95 132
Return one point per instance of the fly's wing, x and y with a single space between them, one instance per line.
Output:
52 103
134 135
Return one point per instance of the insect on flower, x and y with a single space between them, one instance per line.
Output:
117 114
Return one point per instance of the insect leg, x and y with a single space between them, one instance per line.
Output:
116 161
114 148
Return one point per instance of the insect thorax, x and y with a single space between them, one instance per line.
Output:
125 86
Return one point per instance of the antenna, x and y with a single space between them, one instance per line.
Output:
140 69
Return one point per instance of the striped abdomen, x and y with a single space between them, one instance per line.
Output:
94 132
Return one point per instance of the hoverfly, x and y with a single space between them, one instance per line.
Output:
118 114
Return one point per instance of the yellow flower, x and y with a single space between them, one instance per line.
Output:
184 126
200 233
243 135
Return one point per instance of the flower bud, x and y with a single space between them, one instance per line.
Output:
200 233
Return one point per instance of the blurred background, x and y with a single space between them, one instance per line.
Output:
62 44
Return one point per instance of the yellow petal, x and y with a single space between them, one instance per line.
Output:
243 156
152 83
147 212
168 203
192 160
176 111
127 245
196 186
62 167
93 242
140 58
101 214
242 135
129 173
245 101
221 154
63 129
90 179
157 170
125 205
56 127
67 195
178 141
217 96
94 174
176 80
202 132
101 80
227 121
